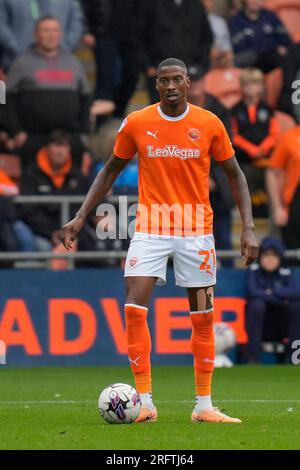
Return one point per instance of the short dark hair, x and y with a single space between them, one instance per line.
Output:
45 18
59 137
171 61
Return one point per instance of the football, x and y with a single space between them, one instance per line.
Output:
224 337
119 404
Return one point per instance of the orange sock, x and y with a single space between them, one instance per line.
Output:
139 346
203 347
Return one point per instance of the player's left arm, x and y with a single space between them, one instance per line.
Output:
239 187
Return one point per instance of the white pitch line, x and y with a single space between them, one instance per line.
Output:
88 402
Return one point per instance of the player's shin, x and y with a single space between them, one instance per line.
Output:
139 350
203 347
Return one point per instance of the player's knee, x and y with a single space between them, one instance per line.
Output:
134 294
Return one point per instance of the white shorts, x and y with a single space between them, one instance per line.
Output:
194 258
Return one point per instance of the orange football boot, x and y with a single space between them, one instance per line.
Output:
212 415
147 415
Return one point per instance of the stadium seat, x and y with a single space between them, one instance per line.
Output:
224 84
289 13
11 165
274 84
286 121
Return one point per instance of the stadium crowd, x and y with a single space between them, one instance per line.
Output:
58 126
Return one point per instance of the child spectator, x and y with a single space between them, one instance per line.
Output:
273 301
255 129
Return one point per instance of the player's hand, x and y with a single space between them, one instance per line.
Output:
69 231
249 246
281 216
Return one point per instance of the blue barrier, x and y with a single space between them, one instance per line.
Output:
75 318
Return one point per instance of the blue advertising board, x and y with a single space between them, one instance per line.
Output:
76 317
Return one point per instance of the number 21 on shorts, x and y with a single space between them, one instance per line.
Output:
209 260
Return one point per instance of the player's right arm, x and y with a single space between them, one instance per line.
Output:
100 187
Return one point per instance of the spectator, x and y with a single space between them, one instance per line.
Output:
52 174
255 131
283 181
259 38
220 194
113 35
174 28
273 301
47 89
221 49
18 18
290 98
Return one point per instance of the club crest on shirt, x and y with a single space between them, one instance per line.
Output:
193 134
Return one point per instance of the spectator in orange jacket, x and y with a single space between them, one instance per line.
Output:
52 174
283 181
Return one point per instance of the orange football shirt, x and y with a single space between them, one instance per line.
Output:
286 156
174 156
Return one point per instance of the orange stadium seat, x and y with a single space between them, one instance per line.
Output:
274 84
289 13
224 84
11 165
286 121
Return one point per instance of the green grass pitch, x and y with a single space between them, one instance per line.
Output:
56 408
